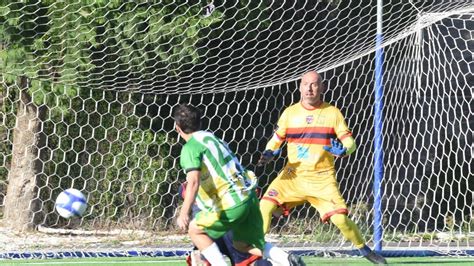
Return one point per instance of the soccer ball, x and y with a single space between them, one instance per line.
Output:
71 203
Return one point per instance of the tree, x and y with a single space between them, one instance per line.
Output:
53 50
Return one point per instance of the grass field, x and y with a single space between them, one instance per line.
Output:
176 261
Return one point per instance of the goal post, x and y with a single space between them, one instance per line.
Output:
96 116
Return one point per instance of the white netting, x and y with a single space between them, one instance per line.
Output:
87 88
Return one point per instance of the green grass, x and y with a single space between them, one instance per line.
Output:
178 261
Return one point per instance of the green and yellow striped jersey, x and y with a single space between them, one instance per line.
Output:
224 183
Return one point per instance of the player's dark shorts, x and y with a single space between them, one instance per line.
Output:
245 221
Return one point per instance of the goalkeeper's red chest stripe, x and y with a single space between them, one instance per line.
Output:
306 132
310 135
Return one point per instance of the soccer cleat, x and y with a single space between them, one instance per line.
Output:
375 258
295 260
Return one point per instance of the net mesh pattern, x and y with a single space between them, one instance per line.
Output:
87 89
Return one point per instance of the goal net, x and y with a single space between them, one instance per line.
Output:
87 89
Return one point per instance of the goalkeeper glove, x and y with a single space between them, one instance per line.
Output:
267 156
336 148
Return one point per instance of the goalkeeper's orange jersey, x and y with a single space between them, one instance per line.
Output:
306 132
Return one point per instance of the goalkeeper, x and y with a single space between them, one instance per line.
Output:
312 129
224 192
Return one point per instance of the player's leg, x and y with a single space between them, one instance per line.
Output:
351 232
204 243
271 200
279 193
268 251
348 229
205 227
248 233
267 207
226 246
236 257
249 237
332 207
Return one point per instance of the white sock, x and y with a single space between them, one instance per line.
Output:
275 254
213 255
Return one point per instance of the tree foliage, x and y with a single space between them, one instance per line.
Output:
74 54
63 45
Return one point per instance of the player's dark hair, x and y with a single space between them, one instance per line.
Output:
187 117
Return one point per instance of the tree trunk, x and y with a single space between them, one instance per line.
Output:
22 202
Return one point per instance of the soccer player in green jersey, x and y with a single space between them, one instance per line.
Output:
224 192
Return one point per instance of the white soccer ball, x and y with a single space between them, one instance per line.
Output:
71 203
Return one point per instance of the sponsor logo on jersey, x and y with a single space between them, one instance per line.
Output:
272 192
303 152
